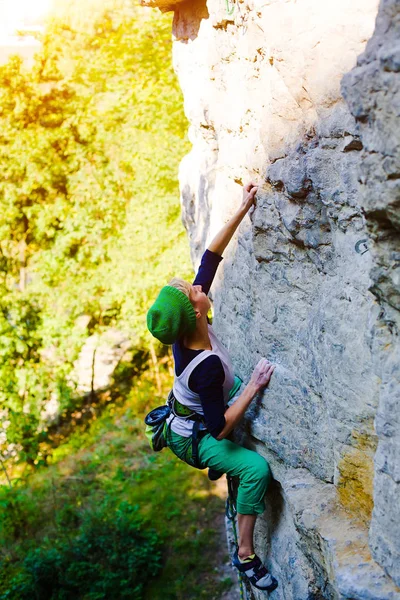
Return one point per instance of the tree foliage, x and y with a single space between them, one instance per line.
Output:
113 555
90 141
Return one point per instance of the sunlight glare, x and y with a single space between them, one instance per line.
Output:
21 14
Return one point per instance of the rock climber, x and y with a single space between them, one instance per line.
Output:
204 382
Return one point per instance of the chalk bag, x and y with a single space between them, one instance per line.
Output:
156 423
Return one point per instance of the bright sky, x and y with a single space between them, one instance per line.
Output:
15 14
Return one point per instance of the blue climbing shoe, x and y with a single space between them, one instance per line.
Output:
256 572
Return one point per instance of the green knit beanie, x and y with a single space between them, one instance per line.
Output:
171 316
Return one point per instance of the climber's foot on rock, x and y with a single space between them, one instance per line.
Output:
256 572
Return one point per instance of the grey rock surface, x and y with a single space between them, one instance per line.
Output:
98 359
312 545
311 279
372 90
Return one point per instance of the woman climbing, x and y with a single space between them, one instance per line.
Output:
204 382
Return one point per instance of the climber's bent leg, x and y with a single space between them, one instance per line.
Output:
227 457
246 525
251 469
254 476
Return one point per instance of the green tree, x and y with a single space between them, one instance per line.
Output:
90 143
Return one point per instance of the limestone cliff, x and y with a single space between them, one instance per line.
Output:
372 90
311 280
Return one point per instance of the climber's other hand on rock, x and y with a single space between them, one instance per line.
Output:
249 192
262 374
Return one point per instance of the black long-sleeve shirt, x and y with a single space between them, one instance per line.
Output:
208 377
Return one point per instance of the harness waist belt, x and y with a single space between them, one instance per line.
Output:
180 410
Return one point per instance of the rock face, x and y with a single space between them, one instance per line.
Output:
372 90
99 358
310 279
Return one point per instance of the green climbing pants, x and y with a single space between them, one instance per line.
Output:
227 457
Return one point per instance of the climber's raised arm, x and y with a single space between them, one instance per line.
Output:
223 237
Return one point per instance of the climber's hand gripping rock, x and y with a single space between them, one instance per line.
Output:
223 237
249 193
262 374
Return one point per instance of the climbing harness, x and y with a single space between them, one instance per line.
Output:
157 428
231 514
180 410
